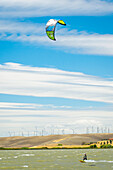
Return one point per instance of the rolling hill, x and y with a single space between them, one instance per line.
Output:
52 140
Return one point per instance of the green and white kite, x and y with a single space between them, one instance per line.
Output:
50 28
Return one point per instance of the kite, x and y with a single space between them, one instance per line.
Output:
50 28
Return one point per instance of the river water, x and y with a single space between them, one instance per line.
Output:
67 159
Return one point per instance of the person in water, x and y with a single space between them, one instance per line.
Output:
85 157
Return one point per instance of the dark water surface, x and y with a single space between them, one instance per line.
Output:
98 159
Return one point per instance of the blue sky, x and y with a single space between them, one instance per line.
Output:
61 85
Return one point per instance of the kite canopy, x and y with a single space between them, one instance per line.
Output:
50 28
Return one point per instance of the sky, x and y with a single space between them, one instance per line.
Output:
54 87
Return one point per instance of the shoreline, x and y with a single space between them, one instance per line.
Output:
47 147
50 148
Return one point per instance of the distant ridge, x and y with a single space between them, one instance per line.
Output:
53 140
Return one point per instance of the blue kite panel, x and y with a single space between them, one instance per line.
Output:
50 28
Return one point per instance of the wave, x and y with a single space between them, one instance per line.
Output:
98 161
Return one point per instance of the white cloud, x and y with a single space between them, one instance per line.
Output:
87 43
64 115
32 106
46 82
14 27
71 41
25 8
49 120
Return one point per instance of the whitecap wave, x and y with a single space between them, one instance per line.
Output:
15 156
27 155
25 166
98 161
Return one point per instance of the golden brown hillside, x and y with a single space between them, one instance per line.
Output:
53 140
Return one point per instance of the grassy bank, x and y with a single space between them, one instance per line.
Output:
59 147
44 147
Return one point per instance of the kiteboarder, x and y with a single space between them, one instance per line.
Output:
85 157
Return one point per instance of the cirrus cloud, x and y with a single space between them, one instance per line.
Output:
70 41
18 79
36 8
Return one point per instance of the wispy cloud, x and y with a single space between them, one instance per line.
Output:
70 41
32 106
84 43
47 82
57 120
14 27
31 8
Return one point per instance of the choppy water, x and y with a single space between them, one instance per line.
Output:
56 159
